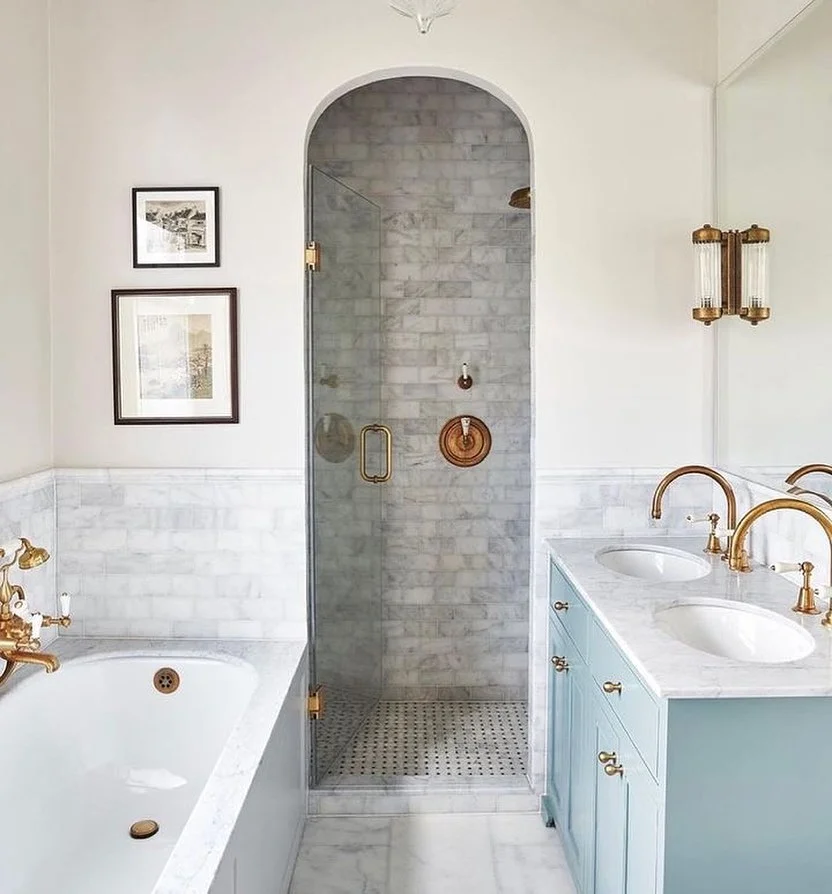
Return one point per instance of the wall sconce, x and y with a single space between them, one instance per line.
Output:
731 274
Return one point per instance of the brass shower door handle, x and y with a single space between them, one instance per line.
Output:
388 452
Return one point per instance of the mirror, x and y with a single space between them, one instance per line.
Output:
774 168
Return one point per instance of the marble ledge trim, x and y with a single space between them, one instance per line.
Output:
26 484
117 475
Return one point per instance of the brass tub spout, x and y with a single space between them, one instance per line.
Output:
808 470
43 659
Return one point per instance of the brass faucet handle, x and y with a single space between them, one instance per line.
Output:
714 546
805 604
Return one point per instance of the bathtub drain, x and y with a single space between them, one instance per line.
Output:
166 680
144 829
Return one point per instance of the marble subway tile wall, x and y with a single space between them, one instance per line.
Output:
188 553
27 509
441 159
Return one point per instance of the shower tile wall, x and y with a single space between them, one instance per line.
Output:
441 159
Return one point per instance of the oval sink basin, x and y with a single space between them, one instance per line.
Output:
656 563
732 630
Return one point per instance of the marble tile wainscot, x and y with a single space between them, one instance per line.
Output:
183 552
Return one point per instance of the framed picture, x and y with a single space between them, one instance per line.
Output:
174 356
176 227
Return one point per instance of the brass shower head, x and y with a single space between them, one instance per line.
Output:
32 556
521 198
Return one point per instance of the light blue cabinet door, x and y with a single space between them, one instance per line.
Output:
610 810
557 787
642 860
578 828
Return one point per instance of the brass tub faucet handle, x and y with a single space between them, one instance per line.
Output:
805 604
825 592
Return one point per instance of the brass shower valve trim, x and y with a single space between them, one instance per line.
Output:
465 441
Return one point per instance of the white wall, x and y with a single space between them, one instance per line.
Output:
24 238
745 25
618 102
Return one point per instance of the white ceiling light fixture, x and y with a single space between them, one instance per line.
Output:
424 11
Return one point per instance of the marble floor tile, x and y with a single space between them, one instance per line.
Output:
431 854
442 854
341 869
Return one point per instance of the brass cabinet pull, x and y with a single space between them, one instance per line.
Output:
560 606
610 687
614 770
607 757
362 459
561 664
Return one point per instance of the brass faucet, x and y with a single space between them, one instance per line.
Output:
806 603
19 627
731 500
807 470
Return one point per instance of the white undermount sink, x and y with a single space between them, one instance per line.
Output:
737 631
653 563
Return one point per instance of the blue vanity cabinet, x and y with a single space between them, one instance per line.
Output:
608 822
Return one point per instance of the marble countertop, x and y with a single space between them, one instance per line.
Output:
196 855
625 606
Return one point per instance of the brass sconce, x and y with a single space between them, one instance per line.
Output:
731 274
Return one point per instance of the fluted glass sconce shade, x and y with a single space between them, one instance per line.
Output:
424 11
707 250
731 274
755 242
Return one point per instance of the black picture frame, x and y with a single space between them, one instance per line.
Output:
176 226
179 357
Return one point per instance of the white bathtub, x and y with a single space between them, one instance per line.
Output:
93 748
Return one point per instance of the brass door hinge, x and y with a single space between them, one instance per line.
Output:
312 256
315 703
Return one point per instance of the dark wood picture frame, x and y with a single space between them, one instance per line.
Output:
121 415
173 194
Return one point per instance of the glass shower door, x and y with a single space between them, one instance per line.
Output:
347 464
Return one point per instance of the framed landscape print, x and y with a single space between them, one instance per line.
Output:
176 227
174 356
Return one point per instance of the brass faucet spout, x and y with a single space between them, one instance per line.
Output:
807 470
49 662
730 499
745 523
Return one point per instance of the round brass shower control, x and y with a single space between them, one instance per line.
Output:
465 441
144 829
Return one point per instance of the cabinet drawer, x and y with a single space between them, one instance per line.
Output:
632 704
571 612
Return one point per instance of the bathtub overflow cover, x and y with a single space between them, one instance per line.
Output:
144 829
166 680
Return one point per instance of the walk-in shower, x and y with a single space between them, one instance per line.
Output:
419 599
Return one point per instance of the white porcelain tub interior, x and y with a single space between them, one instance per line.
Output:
653 563
737 631
95 747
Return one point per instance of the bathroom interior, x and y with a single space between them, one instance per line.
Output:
421 538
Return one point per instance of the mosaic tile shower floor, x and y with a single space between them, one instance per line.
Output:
445 740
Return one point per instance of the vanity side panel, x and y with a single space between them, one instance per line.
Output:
748 796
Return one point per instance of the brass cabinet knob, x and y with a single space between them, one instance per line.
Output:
561 664
614 770
560 606
607 757
610 687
